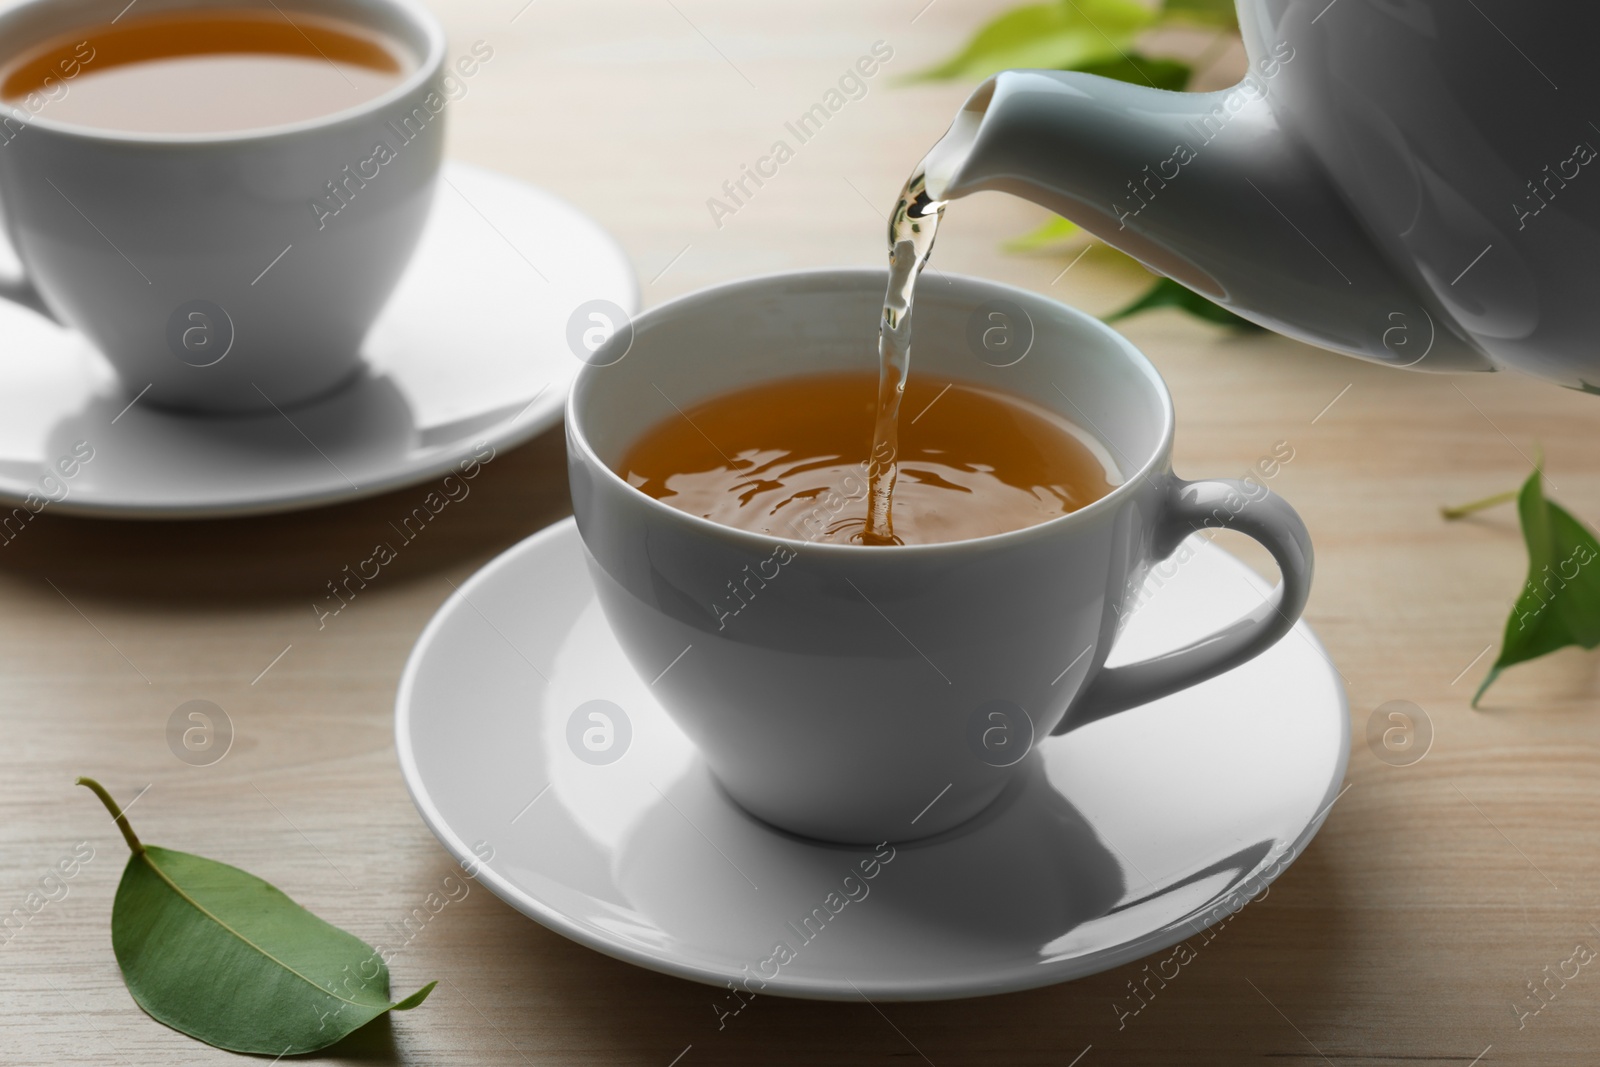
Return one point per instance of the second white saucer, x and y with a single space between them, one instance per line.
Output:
470 355
543 763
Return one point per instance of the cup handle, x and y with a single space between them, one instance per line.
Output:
1195 506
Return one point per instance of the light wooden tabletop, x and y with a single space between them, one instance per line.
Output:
1406 932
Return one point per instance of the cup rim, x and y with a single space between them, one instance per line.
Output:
1158 458
427 67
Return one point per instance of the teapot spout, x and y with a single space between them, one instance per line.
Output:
1207 189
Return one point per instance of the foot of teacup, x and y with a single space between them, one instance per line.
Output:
846 823
244 398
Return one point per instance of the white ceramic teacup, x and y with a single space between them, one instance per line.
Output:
866 694
199 264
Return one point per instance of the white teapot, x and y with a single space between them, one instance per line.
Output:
1413 182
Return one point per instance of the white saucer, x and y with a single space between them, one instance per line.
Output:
471 349
1124 837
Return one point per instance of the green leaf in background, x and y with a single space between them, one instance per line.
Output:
1053 232
1166 293
1560 602
1162 73
1206 12
1063 35
222 956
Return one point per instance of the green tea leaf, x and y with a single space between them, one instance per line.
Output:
1168 293
1560 602
1062 36
1170 74
220 955
1206 12
1053 232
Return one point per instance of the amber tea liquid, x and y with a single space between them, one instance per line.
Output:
204 70
785 458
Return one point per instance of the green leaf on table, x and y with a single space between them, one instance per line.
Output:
1166 293
1207 12
1560 602
222 956
1058 36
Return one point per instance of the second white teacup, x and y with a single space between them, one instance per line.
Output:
200 263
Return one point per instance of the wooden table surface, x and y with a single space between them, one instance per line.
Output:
1406 932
